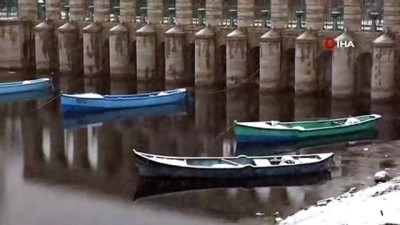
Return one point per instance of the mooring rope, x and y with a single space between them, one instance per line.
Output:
218 136
231 87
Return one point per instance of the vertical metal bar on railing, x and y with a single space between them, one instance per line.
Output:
374 16
171 14
232 15
335 16
299 14
143 14
264 15
201 14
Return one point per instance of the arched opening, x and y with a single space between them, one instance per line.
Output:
287 68
324 71
221 63
189 63
253 64
362 72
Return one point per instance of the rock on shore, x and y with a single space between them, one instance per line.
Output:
377 205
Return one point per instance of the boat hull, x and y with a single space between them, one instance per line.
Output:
247 134
260 149
149 168
41 84
70 103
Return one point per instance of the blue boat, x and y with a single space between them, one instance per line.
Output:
78 119
91 102
40 84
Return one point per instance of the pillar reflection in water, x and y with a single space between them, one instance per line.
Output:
76 148
32 140
241 105
209 119
109 150
388 126
305 107
342 107
53 122
93 147
270 107
123 86
2 185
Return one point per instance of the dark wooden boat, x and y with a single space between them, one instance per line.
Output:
232 167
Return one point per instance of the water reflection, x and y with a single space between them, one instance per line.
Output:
97 157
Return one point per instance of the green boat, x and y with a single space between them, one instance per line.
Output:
275 131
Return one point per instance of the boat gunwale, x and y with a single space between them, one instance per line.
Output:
376 117
128 97
323 157
20 83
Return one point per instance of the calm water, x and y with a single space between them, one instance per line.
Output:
50 174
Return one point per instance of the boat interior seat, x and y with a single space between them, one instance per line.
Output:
262 162
287 160
351 121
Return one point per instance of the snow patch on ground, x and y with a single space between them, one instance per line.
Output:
377 205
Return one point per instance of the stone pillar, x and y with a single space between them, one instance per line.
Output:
68 47
44 46
270 61
53 9
184 11
101 10
391 15
146 53
383 64
214 14
128 11
204 57
352 15
279 13
315 14
155 13
77 10
236 57
245 11
174 56
27 9
342 69
92 49
305 79
119 54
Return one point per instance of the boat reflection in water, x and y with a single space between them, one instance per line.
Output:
155 186
25 96
293 147
72 120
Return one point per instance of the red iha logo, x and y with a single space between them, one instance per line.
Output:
330 44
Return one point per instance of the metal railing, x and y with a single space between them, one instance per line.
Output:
9 9
372 21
